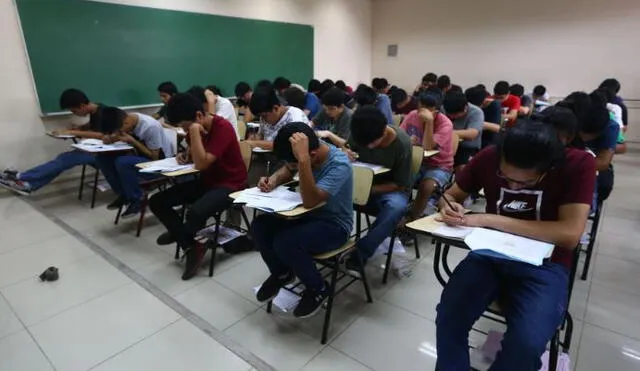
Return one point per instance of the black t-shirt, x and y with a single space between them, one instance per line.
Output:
95 119
493 114
162 113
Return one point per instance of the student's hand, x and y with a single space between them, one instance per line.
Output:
127 138
196 129
452 215
414 140
211 96
425 114
182 158
300 146
110 138
323 133
352 155
265 184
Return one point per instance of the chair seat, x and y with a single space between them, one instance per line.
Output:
495 307
330 254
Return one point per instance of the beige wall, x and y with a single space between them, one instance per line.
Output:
342 33
564 44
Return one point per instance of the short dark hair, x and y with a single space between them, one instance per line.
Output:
455 87
608 94
612 84
430 78
168 87
326 85
531 145
475 95
314 85
517 90
72 98
501 88
241 89
454 102
430 100
539 90
598 117
367 125
341 84
398 96
295 97
215 89
197 92
281 83
281 145
112 119
560 118
379 83
263 100
365 95
579 103
333 97
264 84
443 82
183 107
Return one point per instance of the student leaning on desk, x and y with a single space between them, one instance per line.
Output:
534 188
287 245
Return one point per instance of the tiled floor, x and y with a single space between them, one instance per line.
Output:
97 317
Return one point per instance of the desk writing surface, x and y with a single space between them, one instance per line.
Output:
295 213
430 153
102 148
171 174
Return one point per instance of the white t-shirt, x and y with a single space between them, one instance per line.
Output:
293 114
151 133
617 113
224 108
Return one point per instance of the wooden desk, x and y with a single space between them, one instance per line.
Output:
431 153
377 169
290 214
170 174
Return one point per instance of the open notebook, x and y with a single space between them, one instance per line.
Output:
165 166
499 244
280 199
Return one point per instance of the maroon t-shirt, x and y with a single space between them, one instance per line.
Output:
228 170
571 183
410 106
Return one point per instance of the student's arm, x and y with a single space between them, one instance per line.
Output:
603 159
156 116
512 115
524 110
605 155
333 138
490 126
212 99
83 133
427 119
264 144
401 173
153 154
201 158
474 127
311 194
281 176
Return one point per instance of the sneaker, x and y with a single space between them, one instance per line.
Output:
311 302
272 286
165 239
116 204
194 256
132 210
352 267
9 174
406 237
18 186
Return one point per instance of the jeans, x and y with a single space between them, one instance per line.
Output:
536 301
288 245
44 174
205 202
388 208
122 174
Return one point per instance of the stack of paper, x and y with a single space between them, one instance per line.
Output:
96 145
224 234
510 246
373 167
165 166
280 199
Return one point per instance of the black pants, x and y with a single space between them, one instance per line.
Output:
605 183
205 202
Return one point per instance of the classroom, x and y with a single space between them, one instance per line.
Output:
319 185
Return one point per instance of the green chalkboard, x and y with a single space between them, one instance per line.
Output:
119 54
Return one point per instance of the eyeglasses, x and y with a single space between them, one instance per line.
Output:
525 183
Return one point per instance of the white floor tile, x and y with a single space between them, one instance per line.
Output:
615 310
215 303
180 346
331 359
419 294
30 261
388 338
18 352
135 252
244 277
19 233
618 246
9 323
578 303
281 345
88 278
166 275
617 273
92 332
604 350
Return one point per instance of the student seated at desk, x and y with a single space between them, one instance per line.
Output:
309 103
614 86
366 95
534 188
215 104
274 116
526 102
402 103
615 113
215 152
431 129
540 99
334 121
315 87
491 110
166 90
444 83
377 143
74 100
468 122
428 80
383 102
509 102
150 143
285 245
243 93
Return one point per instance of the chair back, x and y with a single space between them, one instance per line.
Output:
455 143
362 182
242 129
417 156
397 119
245 150
172 135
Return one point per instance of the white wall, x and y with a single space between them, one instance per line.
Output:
342 49
564 44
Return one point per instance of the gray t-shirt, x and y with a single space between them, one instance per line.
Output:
397 157
474 119
150 132
340 127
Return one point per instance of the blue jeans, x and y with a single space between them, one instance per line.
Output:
122 174
44 174
288 245
388 208
535 303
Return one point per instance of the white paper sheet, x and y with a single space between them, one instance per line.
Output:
367 165
510 246
165 166
96 145
260 150
224 234
280 199
286 301
61 136
453 232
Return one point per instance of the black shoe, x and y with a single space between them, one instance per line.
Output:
165 239
311 302
195 256
116 204
272 286
132 210
406 237
352 266
9 174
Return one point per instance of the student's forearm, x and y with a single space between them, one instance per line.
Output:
603 159
467 134
339 142
558 233
281 176
311 195
428 142
490 126
85 134
385 188
264 144
198 153
525 110
144 151
512 115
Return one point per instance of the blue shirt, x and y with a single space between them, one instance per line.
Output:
312 103
336 178
384 104
606 141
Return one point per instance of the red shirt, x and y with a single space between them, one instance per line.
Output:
571 183
228 170
511 103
